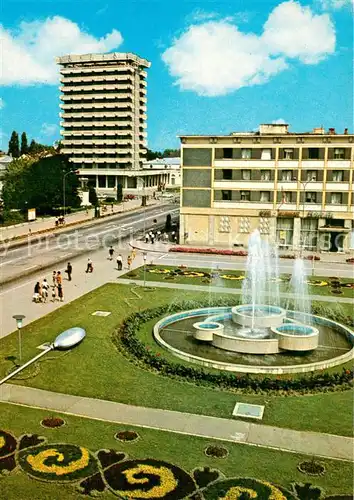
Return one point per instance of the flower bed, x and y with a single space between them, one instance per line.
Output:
350 260
312 468
52 422
239 488
216 451
127 436
126 340
214 251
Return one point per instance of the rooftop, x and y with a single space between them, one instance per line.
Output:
108 57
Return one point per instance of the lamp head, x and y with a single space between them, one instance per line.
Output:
19 318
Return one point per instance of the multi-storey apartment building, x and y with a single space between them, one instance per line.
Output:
103 113
297 188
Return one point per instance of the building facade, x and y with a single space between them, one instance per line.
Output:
169 166
103 118
296 188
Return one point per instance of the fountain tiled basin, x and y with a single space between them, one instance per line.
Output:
205 330
295 337
258 316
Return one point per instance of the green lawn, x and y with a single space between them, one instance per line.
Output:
96 369
182 450
232 279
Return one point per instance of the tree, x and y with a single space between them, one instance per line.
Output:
171 153
24 144
152 155
32 146
14 146
119 193
31 183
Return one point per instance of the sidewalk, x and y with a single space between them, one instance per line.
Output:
236 431
44 224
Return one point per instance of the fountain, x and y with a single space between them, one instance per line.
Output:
258 329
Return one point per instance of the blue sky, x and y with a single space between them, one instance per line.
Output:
216 67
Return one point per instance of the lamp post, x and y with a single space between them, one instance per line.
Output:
19 319
64 177
144 257
304 185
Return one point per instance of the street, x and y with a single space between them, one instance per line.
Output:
39 254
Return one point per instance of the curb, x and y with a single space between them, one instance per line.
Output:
24 240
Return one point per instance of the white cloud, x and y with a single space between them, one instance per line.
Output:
2 103
295 32
336 4
216 58
280 121
28 54
48 129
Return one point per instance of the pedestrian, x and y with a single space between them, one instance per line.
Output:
69 270
45 288
147 238
111 252
133 253
37 292
129 262
158 235
112 208
54 293
60 292
89 267
56 222
54 278
120 262
152 236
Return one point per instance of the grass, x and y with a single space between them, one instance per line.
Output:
95 369
182 450
156 273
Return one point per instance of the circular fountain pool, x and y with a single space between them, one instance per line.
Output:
177 334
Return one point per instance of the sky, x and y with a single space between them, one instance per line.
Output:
216 66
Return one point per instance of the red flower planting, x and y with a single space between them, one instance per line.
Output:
217 251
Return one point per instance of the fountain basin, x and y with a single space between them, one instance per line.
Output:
245 345
205 330
295 337
265 316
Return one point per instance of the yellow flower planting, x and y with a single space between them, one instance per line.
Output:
235 493
37 462
2 442
232 277
167 484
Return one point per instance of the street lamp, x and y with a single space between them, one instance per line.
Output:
19 319
64 177
144 257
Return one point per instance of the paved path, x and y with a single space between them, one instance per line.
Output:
220 289
310 443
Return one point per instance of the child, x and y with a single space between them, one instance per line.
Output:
129 262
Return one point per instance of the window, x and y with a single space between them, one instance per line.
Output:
336 198
227 174
102 181
311 175
226 195
338 176
265 175
288 154
266 154
286 196
265 196
246 175
227 153
111 181
310 197
286 175
314 154
246 154
245 195
339 153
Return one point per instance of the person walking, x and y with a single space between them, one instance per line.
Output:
45 288
69 270
110 253
37 292
129 262
60 286
147 238
119 262
133 253
54 278
89 267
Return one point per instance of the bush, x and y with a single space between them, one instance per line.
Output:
126 339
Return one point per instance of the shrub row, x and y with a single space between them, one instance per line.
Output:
127 339
239 253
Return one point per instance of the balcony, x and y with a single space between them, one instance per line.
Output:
340 164
97 142
95 105
288 164
100 88
95 69
90 116
92 97
312 164
97 78
96 151
244 185
89 128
